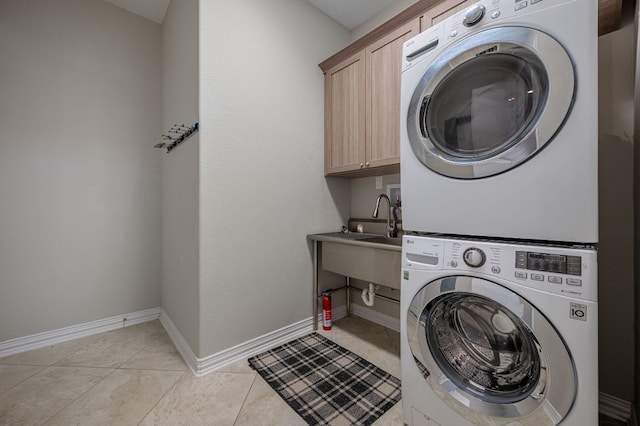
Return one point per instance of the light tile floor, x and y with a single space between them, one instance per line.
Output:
135 376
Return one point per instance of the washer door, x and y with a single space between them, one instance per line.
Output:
481 345
490 102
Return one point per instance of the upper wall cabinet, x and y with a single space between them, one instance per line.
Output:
344 116
609 15
362 108
383 74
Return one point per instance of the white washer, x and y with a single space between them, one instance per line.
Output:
499 122
494 333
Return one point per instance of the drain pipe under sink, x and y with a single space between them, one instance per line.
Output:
368 295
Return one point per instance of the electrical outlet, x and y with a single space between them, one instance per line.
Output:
378 182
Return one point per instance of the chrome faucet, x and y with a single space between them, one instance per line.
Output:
392 230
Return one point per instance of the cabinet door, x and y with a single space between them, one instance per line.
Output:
384 69
443 11
345 116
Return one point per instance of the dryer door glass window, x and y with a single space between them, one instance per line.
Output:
484 106
490 102
482 347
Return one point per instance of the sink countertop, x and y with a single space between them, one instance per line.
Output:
359 239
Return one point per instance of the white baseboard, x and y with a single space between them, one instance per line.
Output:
616 408
180 343
253 347
374 316
203 366
48 338
199 366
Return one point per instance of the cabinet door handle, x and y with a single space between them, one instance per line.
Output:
361 165
367 164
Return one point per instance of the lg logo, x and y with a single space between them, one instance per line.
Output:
578 311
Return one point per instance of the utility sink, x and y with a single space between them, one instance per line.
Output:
381 239
369 257
359 237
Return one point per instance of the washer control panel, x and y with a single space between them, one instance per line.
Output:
562 270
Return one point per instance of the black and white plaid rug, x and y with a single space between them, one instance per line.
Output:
325 383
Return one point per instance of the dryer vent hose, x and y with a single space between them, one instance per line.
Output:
368 295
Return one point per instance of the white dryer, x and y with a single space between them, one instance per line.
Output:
499 122
498 334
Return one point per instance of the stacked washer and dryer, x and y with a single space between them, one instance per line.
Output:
500 199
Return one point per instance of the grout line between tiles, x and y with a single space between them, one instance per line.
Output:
135 355
54 362
28 365
79 396
244 401
175 370
43 367
163 397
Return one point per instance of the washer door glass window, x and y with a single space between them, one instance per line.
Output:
481 345
490 102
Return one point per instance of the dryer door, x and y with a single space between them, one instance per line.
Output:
481 345
490 102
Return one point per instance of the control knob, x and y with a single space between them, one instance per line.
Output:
473 15
474 257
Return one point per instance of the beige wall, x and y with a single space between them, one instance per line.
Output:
79 181
615 254
180 171
262 188
364 193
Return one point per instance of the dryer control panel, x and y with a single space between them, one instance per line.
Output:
481 15
569 271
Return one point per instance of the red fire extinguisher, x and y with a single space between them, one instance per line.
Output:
326 311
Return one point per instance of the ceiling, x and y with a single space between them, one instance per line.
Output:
154 10
349 13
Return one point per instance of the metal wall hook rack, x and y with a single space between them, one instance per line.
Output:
176 135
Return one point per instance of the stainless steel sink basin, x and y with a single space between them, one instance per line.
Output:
358 236
370 257
383 240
